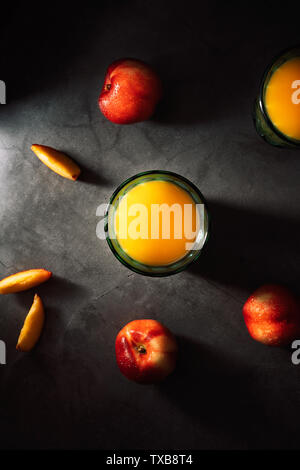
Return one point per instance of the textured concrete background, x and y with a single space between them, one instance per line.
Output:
228 391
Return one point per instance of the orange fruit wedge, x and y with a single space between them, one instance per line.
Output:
24 280
32 327
57 161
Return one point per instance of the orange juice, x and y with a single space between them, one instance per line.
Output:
150 235
282 98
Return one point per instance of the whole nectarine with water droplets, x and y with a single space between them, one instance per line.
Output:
272 315
130 92
146 351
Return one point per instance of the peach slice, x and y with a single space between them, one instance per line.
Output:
57 161
32 327
24 280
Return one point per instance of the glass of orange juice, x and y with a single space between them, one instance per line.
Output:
157 223
277 108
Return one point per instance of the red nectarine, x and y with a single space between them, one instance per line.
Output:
130 92
146 351
272 315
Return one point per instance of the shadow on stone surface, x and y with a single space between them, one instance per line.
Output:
248 248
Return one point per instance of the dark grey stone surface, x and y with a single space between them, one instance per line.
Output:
228 391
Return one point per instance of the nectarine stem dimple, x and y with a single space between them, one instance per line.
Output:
108 86
141 349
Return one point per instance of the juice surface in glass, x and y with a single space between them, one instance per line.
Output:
153 245
282 98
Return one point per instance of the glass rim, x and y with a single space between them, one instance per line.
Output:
285 138
157 274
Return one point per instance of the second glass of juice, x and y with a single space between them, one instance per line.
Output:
277 108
